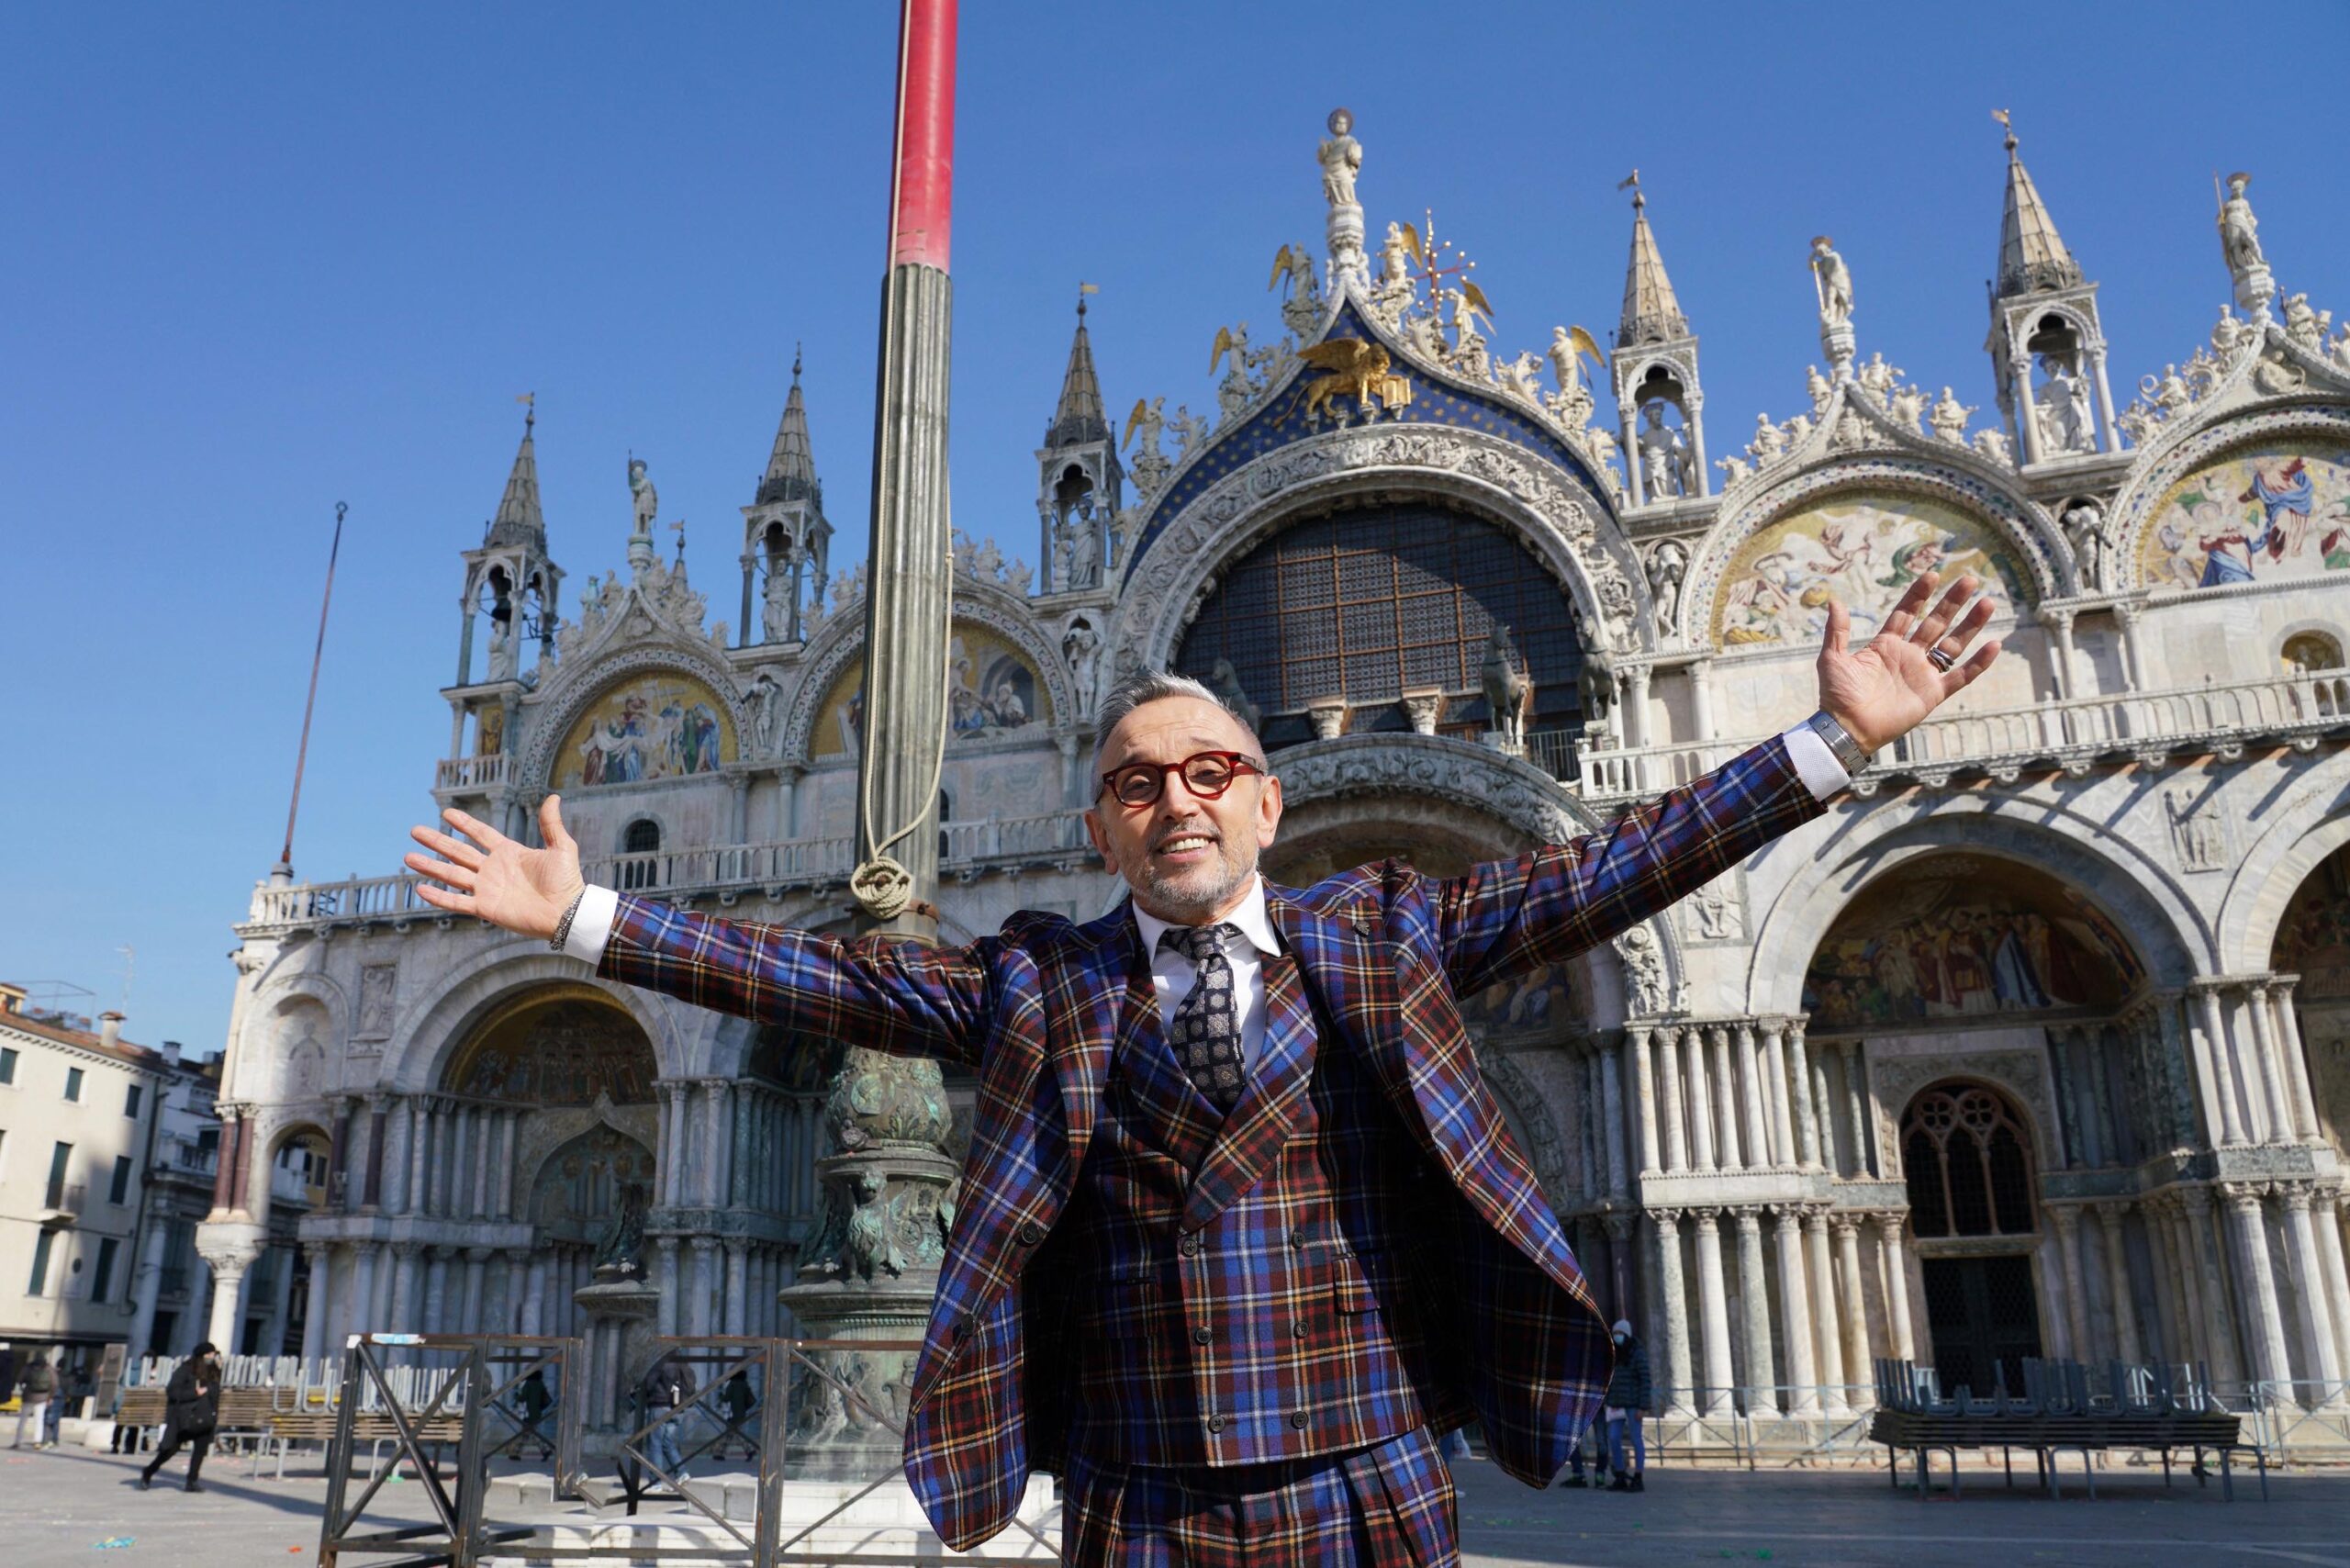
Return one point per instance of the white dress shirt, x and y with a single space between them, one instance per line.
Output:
1171 974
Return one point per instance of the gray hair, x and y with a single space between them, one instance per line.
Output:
1148 684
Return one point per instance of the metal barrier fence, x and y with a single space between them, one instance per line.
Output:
426 1408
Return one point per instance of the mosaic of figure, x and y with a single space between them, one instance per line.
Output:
2279 510
994 689
656 726
1864 550
2313 938
564 1051
1964 936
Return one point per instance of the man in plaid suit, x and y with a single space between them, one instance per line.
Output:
1241 1228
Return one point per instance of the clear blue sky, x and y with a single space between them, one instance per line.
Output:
262 257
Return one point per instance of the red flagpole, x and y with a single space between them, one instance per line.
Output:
310 703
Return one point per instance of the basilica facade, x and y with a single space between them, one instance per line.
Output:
2038 1043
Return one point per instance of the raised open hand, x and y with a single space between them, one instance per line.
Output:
493 877
1882 691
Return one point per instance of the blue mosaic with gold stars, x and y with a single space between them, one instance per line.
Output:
1283 422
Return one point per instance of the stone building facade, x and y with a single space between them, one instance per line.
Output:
2038 1043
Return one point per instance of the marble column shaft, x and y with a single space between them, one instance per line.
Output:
1852 1308
1726 1106
1897 1285
1636 1051
407 1316
1713 1313
1797 1313
1754 1304
1820 1324
2256 1284
1611 1105
1668 1079
704 1286
2212 1054
1857 1110
2218 1319
737 1284
1786 1141
1807 1102
2117 1286
1701 1101
1674 1310
2320 1354
2067 1219
2276 1103
314 1314
2296 1063
666 1317
2327 1220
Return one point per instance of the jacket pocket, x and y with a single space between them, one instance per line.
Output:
1350 1292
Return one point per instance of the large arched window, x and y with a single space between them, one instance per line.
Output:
1370 603
1969 1165
643 837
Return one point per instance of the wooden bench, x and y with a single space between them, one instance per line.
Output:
1924 1433
287 1427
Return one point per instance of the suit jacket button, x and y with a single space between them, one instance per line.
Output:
1297 1237
1297 1419
962 1328
1202 1335
1299 1328
1215 1423
1029 1234
1189 1246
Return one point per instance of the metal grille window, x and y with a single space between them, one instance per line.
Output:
1969 1170
1369 604
643 837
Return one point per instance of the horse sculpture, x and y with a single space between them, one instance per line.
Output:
1509 690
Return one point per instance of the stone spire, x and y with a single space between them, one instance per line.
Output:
2031 255
1651 315
791 467
518 520
1078 416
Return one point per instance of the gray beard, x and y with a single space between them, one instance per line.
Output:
1188 903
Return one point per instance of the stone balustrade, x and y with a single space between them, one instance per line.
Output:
2070 731
489 772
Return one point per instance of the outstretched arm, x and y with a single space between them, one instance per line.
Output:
887 993
1547 906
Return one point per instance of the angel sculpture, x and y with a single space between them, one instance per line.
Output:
1235 391
1146 423
1573 405
1468 305
1293 263
1189 430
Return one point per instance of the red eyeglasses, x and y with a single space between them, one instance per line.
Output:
1206 774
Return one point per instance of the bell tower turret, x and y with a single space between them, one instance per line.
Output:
1080 484
1657 398
2047 347
786 541
510 604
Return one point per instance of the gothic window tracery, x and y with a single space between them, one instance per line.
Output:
1966 1155
1371 602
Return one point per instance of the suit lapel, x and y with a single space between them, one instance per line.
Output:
1261 1123
1104 993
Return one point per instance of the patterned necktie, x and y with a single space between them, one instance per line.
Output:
1205 1030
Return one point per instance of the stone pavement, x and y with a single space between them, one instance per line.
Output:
55 1507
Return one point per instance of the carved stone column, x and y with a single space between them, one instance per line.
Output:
1668 1079
2213 1057
2116 1276
1797 1313
2220 1314
1819 1327
1700 671
365 1257
1807 1103
738 1286
1897 1285
1782 1111
1713 1313
419 1143
1857 1108
1611 1111
1724 1094
2296 1066
1760 1139
2256 1283
1754 1300
2174 1278
2066 1218
508 1125
1701 1100
702 1293
2276 1103
1673 1311
469 1320
2327 1221
2320 1353
534 1266
1636 1052
1852 1309
314 1312
2126 616
230 1248
668 1281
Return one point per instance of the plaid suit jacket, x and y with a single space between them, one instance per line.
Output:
1036 1008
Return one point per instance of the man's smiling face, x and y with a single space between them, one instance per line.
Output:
1187 859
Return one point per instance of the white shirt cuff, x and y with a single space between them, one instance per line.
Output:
591 927
1818 766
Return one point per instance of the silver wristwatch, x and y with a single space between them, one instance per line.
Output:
1840 743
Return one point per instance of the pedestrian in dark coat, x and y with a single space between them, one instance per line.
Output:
1629 1392
191 1411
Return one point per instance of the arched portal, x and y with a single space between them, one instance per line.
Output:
2313 942
1967 1158
565 1045
1365 605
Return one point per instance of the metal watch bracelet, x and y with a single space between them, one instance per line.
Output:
562 927
1840 743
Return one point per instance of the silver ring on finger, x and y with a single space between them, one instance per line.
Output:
1941 658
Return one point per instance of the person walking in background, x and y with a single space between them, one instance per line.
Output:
532 1398
191 1410
668 1389
1629 1393
735 1403
36 1387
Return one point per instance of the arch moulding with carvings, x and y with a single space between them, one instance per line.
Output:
444 1018
2310 825
2173 939
2023 522
566 700
2211 439
1543 508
